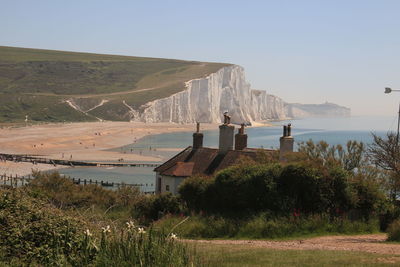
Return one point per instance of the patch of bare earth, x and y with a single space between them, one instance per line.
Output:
373 243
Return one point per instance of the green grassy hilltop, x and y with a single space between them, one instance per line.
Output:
38 83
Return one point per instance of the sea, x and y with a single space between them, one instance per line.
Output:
163 146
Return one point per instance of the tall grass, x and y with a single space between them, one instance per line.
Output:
264 226
138 248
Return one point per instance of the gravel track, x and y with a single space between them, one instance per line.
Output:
373 243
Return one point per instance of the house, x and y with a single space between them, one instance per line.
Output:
199 160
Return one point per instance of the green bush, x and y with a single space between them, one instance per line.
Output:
370 198
247 188
33 231
197 193
394 231
153 207
304 188
390 214
62 192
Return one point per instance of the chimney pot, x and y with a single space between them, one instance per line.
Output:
240 139
197 137
226 135
286 142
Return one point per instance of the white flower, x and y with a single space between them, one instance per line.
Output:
106 229
141 230
87 232
130 225
173 236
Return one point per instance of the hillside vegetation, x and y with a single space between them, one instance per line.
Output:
38 83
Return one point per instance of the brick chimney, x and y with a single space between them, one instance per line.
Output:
197 137
240 139
286 142
226 132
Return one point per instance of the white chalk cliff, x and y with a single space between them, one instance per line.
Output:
206 99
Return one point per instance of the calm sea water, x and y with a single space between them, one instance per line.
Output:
332 130
127 175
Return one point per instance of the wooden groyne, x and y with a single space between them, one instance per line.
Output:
72 163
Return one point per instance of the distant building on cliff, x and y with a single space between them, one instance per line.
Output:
199 160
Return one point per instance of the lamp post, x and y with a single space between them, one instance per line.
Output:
388 90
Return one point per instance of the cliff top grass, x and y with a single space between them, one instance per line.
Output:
49 77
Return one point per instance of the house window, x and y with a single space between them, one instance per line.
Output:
167 187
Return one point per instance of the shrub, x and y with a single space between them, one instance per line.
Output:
369 197
247 188
153 207
394 231
302 187
196 192
34 232
390 214
62 192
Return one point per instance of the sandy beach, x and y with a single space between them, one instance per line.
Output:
80 142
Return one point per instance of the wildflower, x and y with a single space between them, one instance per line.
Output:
173 236
296 213
87 232
130 225
141 230
106 229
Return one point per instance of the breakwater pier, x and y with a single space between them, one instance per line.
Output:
35 159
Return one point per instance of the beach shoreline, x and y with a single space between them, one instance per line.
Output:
88 141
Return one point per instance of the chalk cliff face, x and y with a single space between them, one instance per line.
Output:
206 99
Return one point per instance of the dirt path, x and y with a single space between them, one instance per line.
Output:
133 91
374 243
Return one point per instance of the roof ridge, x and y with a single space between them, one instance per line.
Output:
177 155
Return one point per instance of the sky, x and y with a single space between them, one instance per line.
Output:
308 51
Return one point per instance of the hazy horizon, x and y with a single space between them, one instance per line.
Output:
308 52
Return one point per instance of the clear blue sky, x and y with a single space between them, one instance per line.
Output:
342 51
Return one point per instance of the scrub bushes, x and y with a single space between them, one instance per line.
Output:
281 190
394 231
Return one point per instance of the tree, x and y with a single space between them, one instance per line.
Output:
350 158
385 154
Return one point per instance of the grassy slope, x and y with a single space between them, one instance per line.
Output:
36 82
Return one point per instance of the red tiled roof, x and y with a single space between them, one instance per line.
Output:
180 169
203 160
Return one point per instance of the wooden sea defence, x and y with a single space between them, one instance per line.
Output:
72 163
